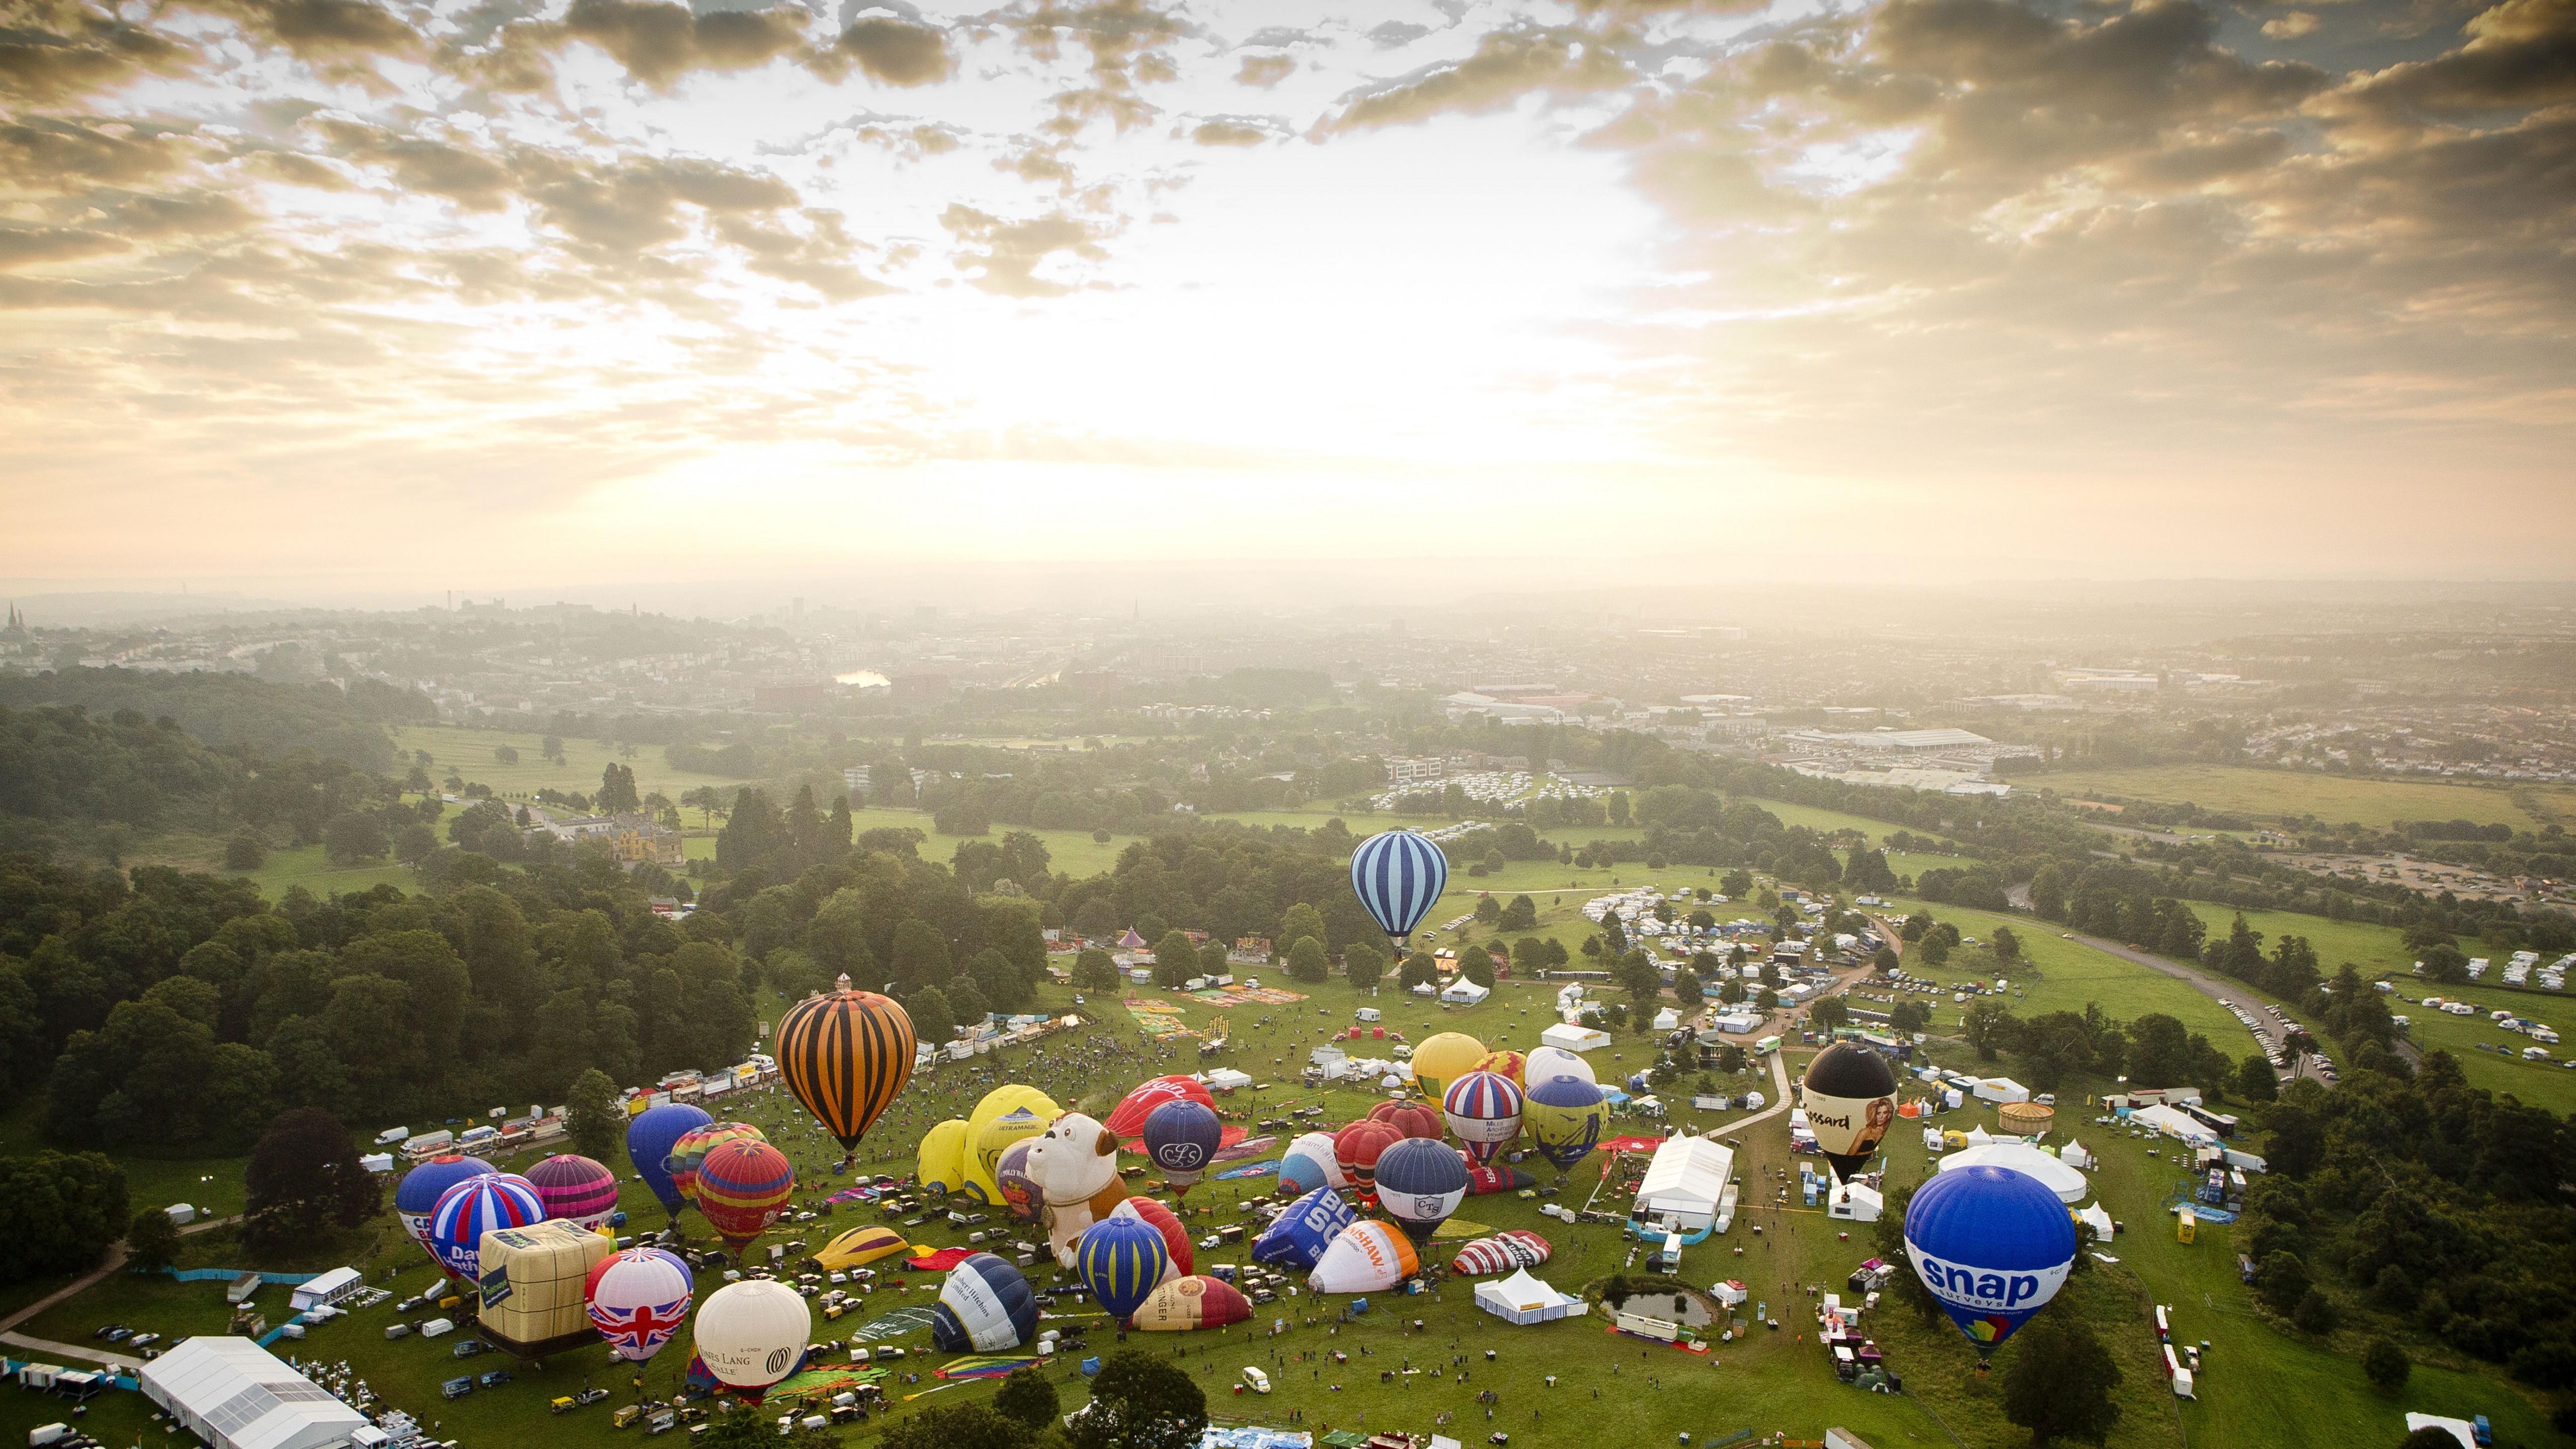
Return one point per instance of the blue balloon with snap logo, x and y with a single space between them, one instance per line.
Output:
1299 1236
1993 1245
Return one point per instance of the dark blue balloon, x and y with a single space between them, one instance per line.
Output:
1183 1137
1420 1182
650 1138
1122 1259
1993 1245
985 1307
1398 875
1298 1237
422 1187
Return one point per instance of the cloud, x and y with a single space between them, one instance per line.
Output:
2296 24
2520 53
1237 130
659 42
53 52
42 153
897 52
1394 34
37 245
1002 257
1507 65
427 167
1266 71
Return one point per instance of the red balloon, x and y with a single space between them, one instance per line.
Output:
1413 1119
1356 1149
1165 1221
1129 1119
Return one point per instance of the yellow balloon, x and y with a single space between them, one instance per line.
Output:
1506 1064
1444 1059
943 1156
1006 1114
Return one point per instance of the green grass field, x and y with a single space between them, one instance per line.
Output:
2334 799
2070 974
469 753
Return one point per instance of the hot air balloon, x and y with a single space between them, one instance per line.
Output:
742 1188
1507 1064
1298 1237
1121 1259
1013 1112
1993 1245
575 1189
1484 1112
1413 1119
1482 1180
1356 1149
693 1147
637 1300
531 1287
1188 1303
1564 1116
1129 1118
1420 1182
650 1140
1850 1099
941 1167
1504 1252
1550 1061
753 1333
418 1194
1020 1192
1176 1238
985 1307
1365 1257
846 1056
1397 876
1444 1058
1308 1164
472 1207
1182 1138
861 1246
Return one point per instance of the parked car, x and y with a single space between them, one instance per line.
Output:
496 1378
457 1388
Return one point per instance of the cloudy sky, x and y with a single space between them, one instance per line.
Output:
490 290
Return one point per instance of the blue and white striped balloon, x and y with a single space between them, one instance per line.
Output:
1397 876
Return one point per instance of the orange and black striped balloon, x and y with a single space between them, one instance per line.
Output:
846 1055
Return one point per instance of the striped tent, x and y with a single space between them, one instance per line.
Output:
1397 876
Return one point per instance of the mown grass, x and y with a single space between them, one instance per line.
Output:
2289 794
469 752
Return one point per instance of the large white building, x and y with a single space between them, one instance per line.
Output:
234 1394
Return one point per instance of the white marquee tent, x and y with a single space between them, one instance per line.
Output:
234 1394
2069 1185
1686 1181
1521 1298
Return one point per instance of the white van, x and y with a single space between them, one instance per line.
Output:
1255 1380
1366 1013
392 1135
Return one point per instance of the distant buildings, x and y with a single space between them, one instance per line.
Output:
1402 770
2107 681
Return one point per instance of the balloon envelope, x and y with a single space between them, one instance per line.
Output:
1506 1063
416 1197
1482 1180
1504 1252
941 1167
650 1139
1020 1192
1308 1164
861 1246
1365 1258
985 1307
474 1206
1187 1303
1484 1112
575 1189
1993 1245
1397 876
1129 1118
751 1334
846 1056
1850 1100
1176 1237
1182 1139
1121 1259
742 1188
1298 1237
1420 1182
1413 1119
695 1144
1356 1149
1550 1061
1009 1113
1564 1116
1444 1058
638 1299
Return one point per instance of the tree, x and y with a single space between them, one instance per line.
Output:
1307 962
58 1212
245 851
1300 921
2007 946
1140 1401
2060 1381
1176 959
354 837
504 755
1095 970
1418 969
1883 960
1027 1399
2316 1313
2282 1279
1488 910
303 1175
2446 964
1909 1015
1520 915
2048 892
1987 1027
965 1426
933 1019
2429 1437
1731 990
2386 1365
1364 964
617 791
1769 1000
966 1000
2254 1080
592 1117
151 1241
1830 1012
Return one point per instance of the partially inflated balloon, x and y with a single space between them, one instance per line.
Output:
1484 1112
1413 1119
1356 1149
649 1141
1850 1100
1187 1303
416 1198
742 1188
1550 1061
1129 1118
1504 1252
1564 1116
1443 1059
1182 1139
1121 1260
1993 1245
1027 1110
693 1147
1506 1064
1176 1237
1020 1192
1482 1180
575 1189
861 1246
846 1056
1420 1182
1398 875
941 1165
637 1300
1298 1237
1367 1257
1308 1164
753 1333
985 1307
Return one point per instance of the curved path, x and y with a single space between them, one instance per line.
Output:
2215 988
113 1262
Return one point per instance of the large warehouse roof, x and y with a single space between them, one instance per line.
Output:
234 1394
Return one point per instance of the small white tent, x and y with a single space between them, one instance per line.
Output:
1574 1038
2098 1219
1521 1298
2074 1155
2021 1157
1463 992
1856 1202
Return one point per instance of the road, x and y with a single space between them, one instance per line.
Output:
2216 989
113 1262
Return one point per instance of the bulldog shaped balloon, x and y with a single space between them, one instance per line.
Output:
1074 1164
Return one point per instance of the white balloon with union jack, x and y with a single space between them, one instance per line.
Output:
638 1299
